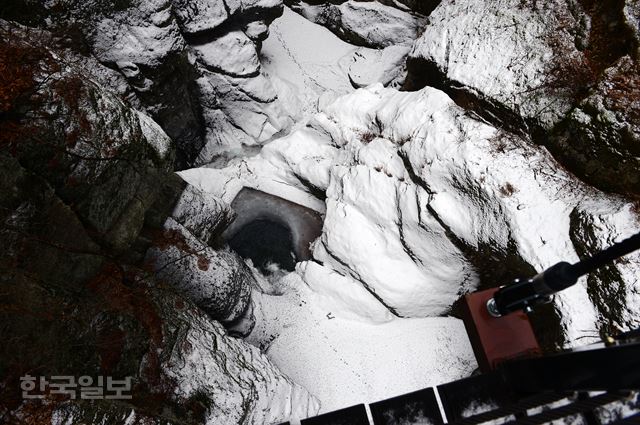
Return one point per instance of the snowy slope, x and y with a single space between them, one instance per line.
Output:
309 66
302 60
345 361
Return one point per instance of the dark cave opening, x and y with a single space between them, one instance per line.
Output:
265 242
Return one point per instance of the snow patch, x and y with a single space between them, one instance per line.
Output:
345 362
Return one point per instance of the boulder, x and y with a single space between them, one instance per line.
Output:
503 53
386 66
233 54
375 25
369 24
196 16
256 31
217 281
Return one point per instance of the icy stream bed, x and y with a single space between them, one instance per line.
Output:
336 339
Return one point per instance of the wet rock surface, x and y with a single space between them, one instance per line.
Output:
292 227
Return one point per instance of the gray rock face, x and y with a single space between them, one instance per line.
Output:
84 180
184 368
40 234
145 44
602 136
631 14
615 300
202 214
97 154
242 385
165 49
182 255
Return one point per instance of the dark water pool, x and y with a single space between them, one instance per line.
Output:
265 242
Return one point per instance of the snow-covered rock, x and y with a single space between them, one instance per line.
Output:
232 54
502 52
241 384
380 241
422 200
370 24
165 49
214 378
146 37
386 66
202 214
218 281
611 289
194 16
375 25
145 43
257 30
305 79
